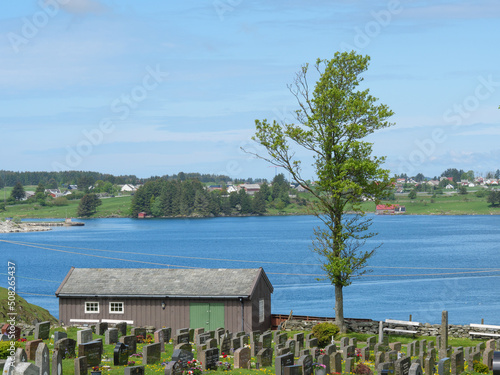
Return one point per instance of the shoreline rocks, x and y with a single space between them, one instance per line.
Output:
11 227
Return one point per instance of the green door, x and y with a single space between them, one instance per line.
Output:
206 315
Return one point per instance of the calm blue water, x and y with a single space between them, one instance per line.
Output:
460 248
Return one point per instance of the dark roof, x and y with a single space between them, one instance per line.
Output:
161 282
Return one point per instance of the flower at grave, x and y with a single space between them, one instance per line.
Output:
223 366
318 366
21 340
130 363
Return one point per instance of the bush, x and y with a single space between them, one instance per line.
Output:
5 348
362 369
481 367
324 332
60 201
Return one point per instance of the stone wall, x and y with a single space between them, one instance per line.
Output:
371 327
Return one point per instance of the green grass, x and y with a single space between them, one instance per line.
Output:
117 206
27 312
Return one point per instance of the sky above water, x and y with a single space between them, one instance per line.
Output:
158 87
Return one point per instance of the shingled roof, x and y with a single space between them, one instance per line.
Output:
161 282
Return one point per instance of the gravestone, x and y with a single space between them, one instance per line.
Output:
348 351
488 358
349 364
167 334
428 365
122 328
415 369
203 337
120 354
336 362
182 356
42 331
444 366
291 344
402 366
344 341
280 338
408 349
100 328
151 354
266 339
491 344
380 347
243 340
496 363
160 339
210 357
305 352
423 346
443 349
58 335
219 333
242 357
365 353
265 357
280 351
181 331
281 361
235 343
457 363
83 336
81 367
385 368
183 338
306 363
395 346
188 347
197 332
93 351
255 348
331 348
353 341
26 368
140 333
8 366
371 341
56 363
67 347
324 359
173 368
225 345
391 356
438 341
11 331
21 355
42 359
381 332
131 342
312 343
31 347
293 370
134 370
299 338
191 335
111 336
379 358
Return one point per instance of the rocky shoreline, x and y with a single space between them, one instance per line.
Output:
12 227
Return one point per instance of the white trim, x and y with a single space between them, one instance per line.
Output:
484 334
262 310
92 312
404 322
84 320
403 331
114 321
484 326
116 312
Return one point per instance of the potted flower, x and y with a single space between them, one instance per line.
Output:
95 371
319 369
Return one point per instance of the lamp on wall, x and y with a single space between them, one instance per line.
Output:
163 305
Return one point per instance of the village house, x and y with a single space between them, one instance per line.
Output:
250 189
236 299
128 188
391 209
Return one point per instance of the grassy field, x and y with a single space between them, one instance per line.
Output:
27 311
111 207
107 366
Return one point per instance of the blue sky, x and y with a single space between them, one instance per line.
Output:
153 87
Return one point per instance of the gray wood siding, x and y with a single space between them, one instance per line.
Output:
148 311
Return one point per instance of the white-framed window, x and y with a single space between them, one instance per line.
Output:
261 311
116 308
91 307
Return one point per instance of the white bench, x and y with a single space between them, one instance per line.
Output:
404 323
484 326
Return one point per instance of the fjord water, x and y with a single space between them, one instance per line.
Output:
426 264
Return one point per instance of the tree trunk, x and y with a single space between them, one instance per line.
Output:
339 309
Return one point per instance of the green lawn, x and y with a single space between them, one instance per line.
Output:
117 206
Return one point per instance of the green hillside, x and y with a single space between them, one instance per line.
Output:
26 312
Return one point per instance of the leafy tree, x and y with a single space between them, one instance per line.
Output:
2 206
412 194
2 184
40 188
462 190
17 192
84 183
332 121
88 205
259 203
419 177
493 198
52 184
497 173
265 191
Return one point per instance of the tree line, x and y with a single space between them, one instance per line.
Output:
170 198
